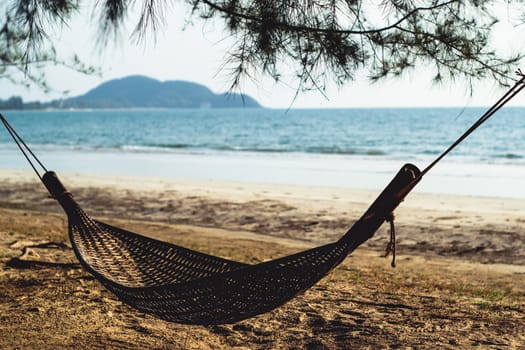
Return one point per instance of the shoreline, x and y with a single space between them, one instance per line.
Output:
453 177
478 229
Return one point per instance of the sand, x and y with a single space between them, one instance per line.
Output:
459 281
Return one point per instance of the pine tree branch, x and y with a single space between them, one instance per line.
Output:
302 28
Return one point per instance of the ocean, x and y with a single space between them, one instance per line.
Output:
359 148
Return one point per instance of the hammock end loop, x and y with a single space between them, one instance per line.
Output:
57 190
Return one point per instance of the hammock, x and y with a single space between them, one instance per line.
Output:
186 286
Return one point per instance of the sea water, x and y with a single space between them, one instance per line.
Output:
360 148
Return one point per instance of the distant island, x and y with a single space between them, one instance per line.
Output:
141 92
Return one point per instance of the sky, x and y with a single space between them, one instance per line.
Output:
196 53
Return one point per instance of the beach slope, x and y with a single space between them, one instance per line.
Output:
459 281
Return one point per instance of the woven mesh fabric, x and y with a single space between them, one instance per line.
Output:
185 286
137 261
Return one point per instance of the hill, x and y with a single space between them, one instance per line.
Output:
143 92
140 91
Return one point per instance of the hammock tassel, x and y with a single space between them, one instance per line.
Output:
391 246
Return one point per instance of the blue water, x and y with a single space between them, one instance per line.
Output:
357 148
419 133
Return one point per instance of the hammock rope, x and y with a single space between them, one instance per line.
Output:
24 148
509 95
181 285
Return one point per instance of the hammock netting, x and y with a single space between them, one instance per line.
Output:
185 286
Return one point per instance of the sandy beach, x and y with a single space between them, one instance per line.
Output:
460 280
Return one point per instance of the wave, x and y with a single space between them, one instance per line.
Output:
330 150
196 149
203 148
432 152
509 156
169 145
259 149
345 151
251 149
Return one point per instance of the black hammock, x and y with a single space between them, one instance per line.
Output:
186 286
